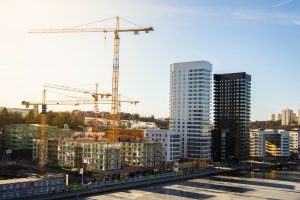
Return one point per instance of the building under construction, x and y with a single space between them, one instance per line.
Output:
141 152
100 155
19 137
81 153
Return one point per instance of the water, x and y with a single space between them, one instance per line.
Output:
269 184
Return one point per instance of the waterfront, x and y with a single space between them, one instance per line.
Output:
271 185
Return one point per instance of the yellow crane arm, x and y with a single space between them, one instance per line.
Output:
84 91
73 102
81 30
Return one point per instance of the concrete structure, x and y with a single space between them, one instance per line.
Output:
287 117
98 155
101 156
269 144
273 117
232 99
171 143
190 105
82 153
141 152
20 136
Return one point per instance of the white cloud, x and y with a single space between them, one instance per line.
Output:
297 22
246 16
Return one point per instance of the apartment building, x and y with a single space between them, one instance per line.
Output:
99 155
287 117
20 136
190 105
142 125
270 144
232 101
273 118
170 141
141 152
77 153
295 143
279 117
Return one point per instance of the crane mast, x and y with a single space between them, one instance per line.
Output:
96 110
115 76
115 83
43 136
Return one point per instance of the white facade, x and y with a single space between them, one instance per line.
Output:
295 142
143 125
287 117
171 143
257 146
270 143
100 121
190 106
285 143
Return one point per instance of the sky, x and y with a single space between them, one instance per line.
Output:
260 37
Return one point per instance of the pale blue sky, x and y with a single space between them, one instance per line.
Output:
260 37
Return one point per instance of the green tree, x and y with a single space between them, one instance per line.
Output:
31 118
15 118
4 117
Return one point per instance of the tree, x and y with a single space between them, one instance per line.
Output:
4 117
31 118
15 118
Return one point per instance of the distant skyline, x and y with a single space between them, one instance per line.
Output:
259 37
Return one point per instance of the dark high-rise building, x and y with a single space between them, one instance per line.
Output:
232 97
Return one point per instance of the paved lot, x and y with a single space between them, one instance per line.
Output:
280 186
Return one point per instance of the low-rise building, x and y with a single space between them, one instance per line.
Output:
269 144
143 125
295 143
99 155
25 188
101 122
171 143
20 136
92 155
141 152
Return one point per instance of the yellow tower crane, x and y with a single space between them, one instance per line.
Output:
95 96
43 119
115 76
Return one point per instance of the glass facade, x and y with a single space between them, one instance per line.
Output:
232 97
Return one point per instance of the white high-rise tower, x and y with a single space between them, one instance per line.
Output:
190 107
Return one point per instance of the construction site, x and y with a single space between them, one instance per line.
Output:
111 153
104 156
